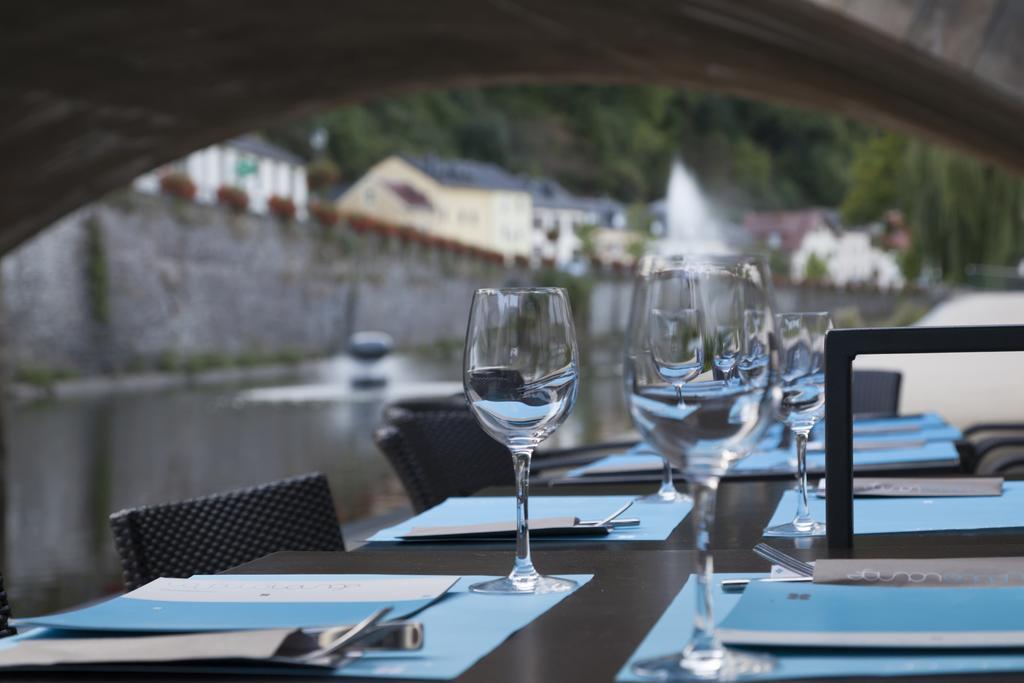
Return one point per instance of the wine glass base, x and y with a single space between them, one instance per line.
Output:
794 530
723 664
524 586
673 497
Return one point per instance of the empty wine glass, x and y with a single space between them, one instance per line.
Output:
802 404
520 372
638 352
723 412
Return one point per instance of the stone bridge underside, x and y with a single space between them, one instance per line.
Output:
94 93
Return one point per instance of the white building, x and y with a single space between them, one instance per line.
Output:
848 257
250 163
558 216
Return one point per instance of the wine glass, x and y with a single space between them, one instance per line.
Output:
638 351
802 404
711 420
521 375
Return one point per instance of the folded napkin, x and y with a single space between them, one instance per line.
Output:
545 526
657 520
194 647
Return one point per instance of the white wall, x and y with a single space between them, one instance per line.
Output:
849 258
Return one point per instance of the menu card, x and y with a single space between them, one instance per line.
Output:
816 615
968 571
931 487
239 602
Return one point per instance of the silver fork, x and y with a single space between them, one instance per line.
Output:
780 558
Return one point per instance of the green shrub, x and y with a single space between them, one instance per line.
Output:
41 375
96 272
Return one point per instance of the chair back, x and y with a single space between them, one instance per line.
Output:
213 533
5 613
439 450
876 392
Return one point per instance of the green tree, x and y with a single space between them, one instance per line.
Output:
604 140
874 178
815 270
962 210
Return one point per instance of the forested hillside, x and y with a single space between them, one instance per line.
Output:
746 155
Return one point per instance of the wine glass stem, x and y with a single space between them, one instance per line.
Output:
803 513
668 486
523 568
704 640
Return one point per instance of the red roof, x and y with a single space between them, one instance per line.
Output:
410 195
790 226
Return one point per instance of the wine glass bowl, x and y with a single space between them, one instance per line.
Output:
706 417
521 377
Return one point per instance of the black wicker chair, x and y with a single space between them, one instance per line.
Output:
438 450
5 613
213 533
876 392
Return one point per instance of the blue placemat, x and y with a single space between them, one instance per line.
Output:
774 461
907 515
656 520
459 629
676 624
780 460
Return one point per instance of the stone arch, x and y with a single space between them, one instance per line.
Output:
95 93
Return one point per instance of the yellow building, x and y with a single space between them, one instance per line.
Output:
470 202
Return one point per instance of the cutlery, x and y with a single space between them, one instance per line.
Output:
614 524
780 558
336 648
608 521
737 585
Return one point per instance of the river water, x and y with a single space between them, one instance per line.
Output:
71 463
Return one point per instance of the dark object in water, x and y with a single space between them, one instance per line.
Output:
370 346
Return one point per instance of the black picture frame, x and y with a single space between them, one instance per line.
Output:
841 348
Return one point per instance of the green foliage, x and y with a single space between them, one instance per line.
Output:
604 140
815 270
778 261
849 316
204 362
41 375
911 263
172 361
907 313
588 240
874 178
962 210
96 272
169 361
579 289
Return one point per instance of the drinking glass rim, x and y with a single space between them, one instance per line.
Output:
801 314
710 258
520 290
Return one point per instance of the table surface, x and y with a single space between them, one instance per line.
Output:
589 635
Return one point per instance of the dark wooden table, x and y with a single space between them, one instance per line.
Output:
590 634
